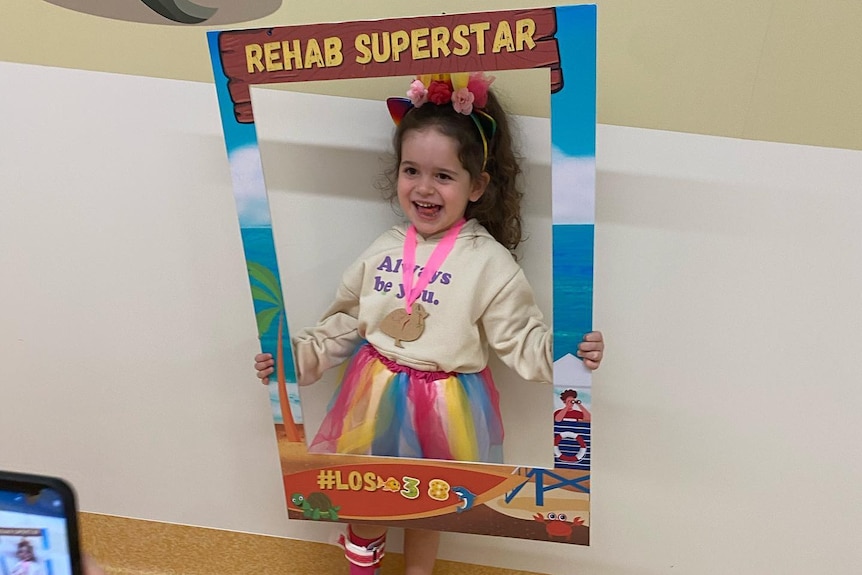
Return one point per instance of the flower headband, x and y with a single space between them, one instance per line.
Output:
465 91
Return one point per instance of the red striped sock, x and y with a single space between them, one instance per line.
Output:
355 539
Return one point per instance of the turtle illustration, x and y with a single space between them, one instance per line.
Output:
316 506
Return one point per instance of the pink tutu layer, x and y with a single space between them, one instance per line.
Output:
386 409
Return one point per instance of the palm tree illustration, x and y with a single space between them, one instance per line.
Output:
267 291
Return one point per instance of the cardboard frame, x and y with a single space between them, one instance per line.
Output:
523 502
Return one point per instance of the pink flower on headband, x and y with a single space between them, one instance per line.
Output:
478 86
439 92
462 101
417 93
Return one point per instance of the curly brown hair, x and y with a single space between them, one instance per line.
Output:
499 208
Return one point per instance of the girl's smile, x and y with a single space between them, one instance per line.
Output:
433 187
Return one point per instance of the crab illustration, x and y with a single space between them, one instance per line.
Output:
557 524
316 506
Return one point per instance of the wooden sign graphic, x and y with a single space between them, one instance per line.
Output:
506 40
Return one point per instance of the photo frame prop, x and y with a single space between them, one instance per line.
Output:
524 502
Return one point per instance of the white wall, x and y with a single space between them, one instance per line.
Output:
728 285
323 160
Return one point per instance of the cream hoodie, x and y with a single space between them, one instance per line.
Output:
478 299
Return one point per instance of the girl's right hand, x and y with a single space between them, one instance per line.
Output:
265 365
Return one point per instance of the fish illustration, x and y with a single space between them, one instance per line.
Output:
390 484
465 498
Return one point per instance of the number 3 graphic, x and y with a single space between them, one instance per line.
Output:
411 487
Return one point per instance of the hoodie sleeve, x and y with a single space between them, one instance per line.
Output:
336 336
516 331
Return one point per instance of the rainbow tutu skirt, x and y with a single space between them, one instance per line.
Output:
385 409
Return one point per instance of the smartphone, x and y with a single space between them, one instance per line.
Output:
38 526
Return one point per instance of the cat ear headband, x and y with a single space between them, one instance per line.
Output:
467 93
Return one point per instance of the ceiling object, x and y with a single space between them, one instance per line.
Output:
176 12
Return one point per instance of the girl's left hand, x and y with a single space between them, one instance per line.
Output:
265 366
592 349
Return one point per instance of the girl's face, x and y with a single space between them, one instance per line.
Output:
433 187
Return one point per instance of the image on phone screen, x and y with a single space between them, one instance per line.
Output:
33 533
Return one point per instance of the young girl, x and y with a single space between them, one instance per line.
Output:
27 562
426 301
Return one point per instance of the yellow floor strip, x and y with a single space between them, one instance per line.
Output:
138 547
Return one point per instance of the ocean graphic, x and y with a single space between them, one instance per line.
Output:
295 404
573 286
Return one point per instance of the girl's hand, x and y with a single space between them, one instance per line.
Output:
265 365
592 349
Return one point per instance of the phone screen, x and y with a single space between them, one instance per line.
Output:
34 530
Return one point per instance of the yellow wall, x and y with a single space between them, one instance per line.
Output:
785 71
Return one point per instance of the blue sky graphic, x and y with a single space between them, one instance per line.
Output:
573 109
236 135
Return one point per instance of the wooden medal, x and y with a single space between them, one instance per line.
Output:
403 326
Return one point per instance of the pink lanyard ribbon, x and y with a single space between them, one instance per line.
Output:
438 256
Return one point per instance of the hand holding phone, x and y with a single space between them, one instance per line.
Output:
38 526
